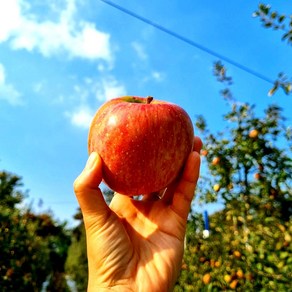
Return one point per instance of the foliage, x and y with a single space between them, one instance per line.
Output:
279 22
275 20
33 247
281 82
242 254
76 264
249 169
246 158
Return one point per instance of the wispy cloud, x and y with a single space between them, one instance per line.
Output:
140 51
7 91
76 38
111 88
89 96
81 117
144 65
158 76
154 76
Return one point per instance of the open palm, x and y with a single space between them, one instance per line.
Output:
135 245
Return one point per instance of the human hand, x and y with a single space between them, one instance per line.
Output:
135 245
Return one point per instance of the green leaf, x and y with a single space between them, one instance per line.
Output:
274 14
264 8
284 254
285 36
259 266
269 270
281 18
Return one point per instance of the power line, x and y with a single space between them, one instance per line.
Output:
189 41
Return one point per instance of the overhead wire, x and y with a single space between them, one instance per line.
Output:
189 41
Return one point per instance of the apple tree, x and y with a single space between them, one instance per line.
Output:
249 170
33 247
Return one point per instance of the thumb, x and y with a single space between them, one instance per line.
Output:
88 193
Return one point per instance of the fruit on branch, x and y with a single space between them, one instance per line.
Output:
257 176
253 134
206 278
216 160
216 187
204 152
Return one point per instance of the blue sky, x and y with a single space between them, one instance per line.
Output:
61 59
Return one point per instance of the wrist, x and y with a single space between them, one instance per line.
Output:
97 286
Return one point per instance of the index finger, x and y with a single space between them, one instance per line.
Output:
88 194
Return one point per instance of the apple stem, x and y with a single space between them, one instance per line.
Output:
149 99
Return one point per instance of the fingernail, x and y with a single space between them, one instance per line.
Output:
91 160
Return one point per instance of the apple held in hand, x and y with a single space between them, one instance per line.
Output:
142 142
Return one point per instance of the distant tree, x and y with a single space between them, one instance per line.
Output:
76 264
10 194
33 247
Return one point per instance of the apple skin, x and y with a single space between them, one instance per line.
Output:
142 142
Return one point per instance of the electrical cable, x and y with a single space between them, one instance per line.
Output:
189 41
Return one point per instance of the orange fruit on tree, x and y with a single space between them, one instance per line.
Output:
216 187
206 278
237 254
204 152
240 274
216 160
257 176
202 259
253 134
227 278
233 284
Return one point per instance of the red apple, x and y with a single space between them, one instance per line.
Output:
142 142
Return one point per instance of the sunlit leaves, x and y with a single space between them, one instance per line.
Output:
282 82
275 20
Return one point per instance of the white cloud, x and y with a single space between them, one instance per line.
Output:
7 91
91 92
9 18
76 38
81 117
111 89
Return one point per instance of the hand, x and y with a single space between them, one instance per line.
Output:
135 245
